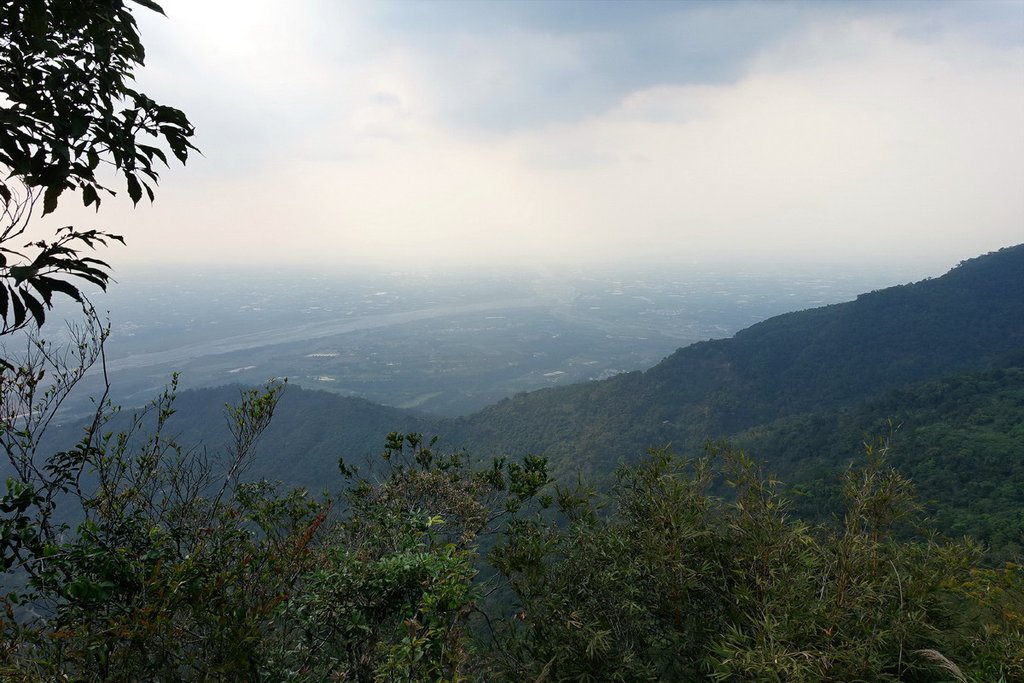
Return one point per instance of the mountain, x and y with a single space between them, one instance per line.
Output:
959 438
943 357
972 318
310 431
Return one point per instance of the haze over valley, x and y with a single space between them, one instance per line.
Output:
443 344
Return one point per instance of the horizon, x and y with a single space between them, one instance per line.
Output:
886 270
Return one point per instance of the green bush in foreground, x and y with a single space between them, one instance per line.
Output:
175 573
662 581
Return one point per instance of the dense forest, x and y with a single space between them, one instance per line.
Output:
962 415
874 539
634 529
431 569
972 318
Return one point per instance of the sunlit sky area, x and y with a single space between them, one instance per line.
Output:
441 135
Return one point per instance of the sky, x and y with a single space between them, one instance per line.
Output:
436 135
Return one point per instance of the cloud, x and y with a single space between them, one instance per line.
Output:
439 135
511 66
505 67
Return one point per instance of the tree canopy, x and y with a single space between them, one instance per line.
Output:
70 118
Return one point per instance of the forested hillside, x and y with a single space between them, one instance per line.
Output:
938 363
960 439
970 318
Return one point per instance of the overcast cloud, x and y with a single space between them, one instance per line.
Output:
449 134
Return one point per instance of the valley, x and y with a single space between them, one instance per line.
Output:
445 345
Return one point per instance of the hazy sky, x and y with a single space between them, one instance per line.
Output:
433 134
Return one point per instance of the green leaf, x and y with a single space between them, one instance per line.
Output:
50 198
134 188
22 273
54 285
79 125
36 15
33 304
19 309
90 196
151 152
149 4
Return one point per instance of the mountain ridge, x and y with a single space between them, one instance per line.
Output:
830 356
784 389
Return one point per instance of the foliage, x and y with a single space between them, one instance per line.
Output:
395 578
174 572
995 619
672 583
68 110
970 319
167 573
130 557
958 438
960 434
176 568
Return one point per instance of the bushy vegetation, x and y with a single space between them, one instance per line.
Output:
432 568
959 438
130 557
663 581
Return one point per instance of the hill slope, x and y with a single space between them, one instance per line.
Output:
942 356
970 319
959 438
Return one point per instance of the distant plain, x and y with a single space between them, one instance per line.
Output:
444 344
